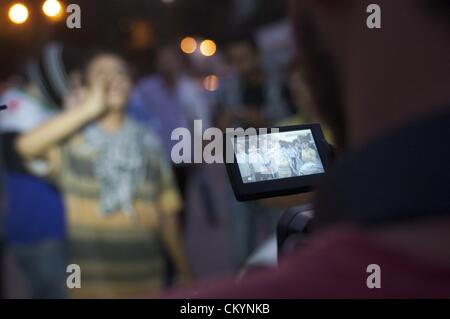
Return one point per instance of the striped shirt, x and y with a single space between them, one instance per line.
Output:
119 255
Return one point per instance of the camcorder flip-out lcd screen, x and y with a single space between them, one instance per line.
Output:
276 161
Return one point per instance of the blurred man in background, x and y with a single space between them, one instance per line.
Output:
384 93
250 97
168 100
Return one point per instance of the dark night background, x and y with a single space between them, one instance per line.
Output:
117 23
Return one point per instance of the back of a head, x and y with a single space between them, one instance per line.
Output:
366 81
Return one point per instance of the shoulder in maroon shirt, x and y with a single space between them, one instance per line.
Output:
335 265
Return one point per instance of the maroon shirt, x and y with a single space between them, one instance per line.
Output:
334 265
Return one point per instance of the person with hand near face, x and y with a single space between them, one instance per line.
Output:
119 192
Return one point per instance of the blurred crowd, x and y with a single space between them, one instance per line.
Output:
282 156
88 179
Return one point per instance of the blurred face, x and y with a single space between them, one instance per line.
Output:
116 74
243 57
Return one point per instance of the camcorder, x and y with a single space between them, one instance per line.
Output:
275 162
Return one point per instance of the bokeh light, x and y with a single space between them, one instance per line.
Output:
211 83
188 45
18 13
52 8
208 47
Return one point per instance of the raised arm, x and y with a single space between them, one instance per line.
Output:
37 142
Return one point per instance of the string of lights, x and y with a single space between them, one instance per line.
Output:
19 13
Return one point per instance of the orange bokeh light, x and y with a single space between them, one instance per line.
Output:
211 83
18 13
188 45
52 8
208 47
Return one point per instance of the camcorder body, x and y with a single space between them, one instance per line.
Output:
276 162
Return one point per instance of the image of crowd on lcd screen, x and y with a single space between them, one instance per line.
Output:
277 155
